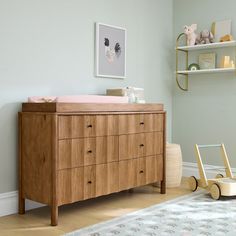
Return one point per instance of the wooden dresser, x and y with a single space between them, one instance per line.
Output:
70 152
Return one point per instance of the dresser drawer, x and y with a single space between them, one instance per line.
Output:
127 174
70 185
154 168
87 126
139 145
141 171
87 151
138 123
89 181
107 178
149 169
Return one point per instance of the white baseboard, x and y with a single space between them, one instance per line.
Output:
9 203
190 168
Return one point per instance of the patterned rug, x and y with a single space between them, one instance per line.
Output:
194 214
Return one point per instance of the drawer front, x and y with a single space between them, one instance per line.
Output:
70 185
107 178
140 145
113 177
127 174
101 180
87 126
89 182
154 169
138 123
141 171
87 151
149 169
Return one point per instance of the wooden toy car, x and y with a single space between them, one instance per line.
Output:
219 186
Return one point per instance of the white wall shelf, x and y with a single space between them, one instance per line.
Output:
207 46
187 49
217 70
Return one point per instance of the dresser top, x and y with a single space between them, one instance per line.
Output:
91 107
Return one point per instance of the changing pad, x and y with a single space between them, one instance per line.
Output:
79 99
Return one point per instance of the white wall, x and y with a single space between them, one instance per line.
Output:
47 48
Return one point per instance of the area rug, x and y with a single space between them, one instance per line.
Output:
194 214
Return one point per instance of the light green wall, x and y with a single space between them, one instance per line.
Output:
206 113
47 48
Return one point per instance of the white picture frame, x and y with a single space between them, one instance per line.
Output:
110 58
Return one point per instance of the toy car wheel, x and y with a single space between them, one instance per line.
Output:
215 191
218 176
193 184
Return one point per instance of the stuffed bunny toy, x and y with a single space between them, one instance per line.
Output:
190 33
205 37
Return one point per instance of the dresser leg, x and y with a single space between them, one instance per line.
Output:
21 209
163 187
54 215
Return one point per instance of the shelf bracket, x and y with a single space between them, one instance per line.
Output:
184 88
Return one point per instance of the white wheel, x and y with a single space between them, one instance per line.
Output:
218 176
215 191
193 184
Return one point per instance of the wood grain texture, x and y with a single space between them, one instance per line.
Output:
54 166
65 180
89 107
140 145
113 177
127 174
87 126
138 123
141 171
101 180
36 149
89 181
85 153
21 200
70 185
163 182
151 169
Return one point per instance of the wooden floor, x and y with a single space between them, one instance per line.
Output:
75 216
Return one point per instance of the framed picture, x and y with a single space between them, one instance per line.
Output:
220 29
110 51
207 61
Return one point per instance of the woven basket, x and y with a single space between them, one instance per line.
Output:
173 165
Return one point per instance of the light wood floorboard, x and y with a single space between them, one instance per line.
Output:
75 216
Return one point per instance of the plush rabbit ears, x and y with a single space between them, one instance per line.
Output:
193 27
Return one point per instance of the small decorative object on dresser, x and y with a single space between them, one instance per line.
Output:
190 33
70 152
135 95
207 61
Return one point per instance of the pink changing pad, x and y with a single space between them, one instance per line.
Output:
79 99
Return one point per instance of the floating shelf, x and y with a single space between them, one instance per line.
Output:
207 71
184 74
207 46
